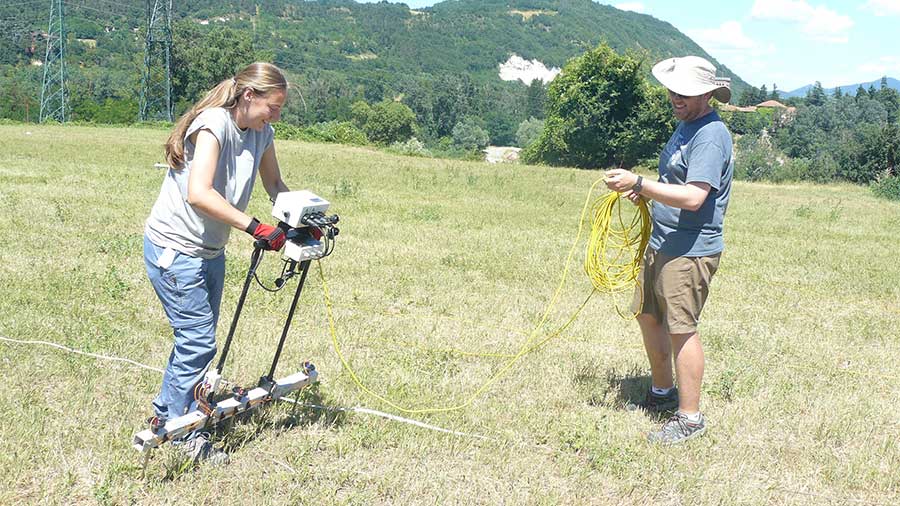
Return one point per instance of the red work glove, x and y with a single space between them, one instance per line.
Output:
271 237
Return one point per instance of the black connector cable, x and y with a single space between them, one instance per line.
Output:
327 232
326 226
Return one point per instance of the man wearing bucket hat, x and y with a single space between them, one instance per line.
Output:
689 202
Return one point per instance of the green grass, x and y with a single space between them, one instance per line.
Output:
803 358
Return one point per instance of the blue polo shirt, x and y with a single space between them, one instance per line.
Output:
698 151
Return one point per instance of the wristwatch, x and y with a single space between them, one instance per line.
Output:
639 185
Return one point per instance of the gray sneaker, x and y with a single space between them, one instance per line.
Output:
656 403
677 429
199 449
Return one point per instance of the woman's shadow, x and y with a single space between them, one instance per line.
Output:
304 410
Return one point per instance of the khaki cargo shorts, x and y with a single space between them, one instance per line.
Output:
674 289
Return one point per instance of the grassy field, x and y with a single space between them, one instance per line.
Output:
800 333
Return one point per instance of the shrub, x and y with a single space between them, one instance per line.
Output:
887 186
755 160
528 131
388 122
341 132
360 112
412 147
469 136
286 131
823 168
792 169
748 123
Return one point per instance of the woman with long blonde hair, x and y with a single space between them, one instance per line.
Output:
214 153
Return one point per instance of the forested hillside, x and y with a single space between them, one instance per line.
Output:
441 61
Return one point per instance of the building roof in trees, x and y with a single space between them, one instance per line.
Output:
772 103
736 108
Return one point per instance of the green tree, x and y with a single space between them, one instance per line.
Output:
816 95
875 151
774 95
390 122
359 113
601 112
861 92
528 132
743 123
20 99
202 58
750 96
890 99
536 99
468 135
453 99
502 110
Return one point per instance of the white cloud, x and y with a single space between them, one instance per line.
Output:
631 6
728 44
728 36
884 66
883 7
818 22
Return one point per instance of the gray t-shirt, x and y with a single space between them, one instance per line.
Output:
175 224
698 151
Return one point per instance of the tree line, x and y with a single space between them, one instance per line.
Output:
601 111
839 137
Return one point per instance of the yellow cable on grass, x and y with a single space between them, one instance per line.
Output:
609 269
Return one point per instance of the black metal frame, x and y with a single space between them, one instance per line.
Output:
267 381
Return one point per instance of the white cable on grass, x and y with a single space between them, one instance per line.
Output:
78 352
389 416
366 411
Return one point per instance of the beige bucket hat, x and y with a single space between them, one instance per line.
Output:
692 76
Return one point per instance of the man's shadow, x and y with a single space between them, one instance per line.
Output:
614 388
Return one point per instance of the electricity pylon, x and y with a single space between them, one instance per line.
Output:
53 87
156 84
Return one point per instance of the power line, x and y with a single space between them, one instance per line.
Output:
100 11
132 8
29 2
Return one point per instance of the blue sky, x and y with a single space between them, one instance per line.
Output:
787 42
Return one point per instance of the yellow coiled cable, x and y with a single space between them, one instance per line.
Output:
610 270
616 245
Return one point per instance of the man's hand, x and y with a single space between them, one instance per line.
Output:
620 180
631 196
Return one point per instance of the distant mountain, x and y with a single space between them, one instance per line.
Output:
847 89
443 61
385 41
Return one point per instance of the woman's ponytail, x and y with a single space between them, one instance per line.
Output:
262 78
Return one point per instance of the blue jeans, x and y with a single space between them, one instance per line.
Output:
190 290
